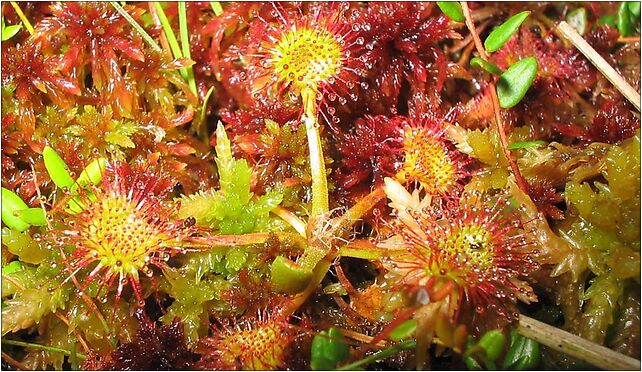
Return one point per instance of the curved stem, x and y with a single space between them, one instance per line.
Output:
317 164
521 182
289 217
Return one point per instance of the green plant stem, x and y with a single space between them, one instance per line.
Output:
170 36
317 163
406 345
318 256
211 241
42 347
182 24
216 7
23 18
521 182
148 39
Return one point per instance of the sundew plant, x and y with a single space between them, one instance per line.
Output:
320 185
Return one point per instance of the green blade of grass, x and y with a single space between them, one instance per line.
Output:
169 34
182 24
148 39
216 7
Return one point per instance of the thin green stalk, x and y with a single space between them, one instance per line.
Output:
204 106
148 39
317 163
169 34
43 347
23 18
359 364
182 25
216 7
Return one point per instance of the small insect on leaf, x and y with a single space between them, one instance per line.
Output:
328 349
526 144
32 216
500 35
57 169
485 65
452 9
523 353
514 82
578 18
11 203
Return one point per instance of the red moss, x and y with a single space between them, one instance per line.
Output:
401 46
93 33
370 151
155 348
36 81
613 122
545 196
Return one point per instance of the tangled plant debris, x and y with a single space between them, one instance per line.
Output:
363 185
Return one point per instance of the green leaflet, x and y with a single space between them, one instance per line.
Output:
489 67
500 35
452 9
522 354
526 144
514 82
11 203
57 168
328 349
9 31
404 330
231 209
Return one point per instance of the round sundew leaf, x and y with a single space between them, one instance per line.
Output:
500 35
32 216
452 9
485 65
57 168
11 203
514 82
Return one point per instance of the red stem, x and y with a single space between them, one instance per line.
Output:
521 182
